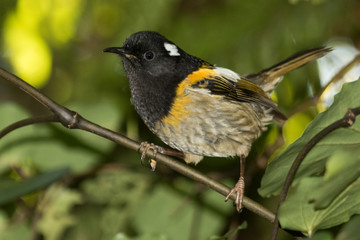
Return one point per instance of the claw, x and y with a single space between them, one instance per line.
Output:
143 154
147 146
239 191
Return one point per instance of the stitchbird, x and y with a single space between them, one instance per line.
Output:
198 108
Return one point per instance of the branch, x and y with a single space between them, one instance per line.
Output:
73 120
347 121
26 122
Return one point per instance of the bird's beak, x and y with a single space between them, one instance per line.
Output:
117 50
120 51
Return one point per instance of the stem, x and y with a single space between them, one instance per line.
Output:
26 122
347 121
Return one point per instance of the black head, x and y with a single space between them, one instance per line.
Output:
154 66
151 54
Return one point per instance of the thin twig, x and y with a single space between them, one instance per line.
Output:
26 122
63 114
73 120
347 121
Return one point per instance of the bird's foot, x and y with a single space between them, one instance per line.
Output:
239 191
146 147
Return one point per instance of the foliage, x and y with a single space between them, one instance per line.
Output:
14 190
57 45
319 202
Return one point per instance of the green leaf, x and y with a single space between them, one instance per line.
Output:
172 212
55 211
325 192
18 230
14 190
321 236
350 231
314 162
297 213
342 169
112 196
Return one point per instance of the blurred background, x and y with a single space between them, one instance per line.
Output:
56 46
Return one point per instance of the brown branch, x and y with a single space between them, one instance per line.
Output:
73 120
26 122
347 121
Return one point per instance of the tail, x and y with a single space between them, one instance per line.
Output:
269 78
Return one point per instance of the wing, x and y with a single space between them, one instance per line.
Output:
270 77
241 90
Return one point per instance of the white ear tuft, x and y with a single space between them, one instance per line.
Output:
172 49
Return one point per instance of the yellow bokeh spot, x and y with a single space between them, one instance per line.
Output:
294 127
274 96
31 13
62 18
272 136
24 30
28 53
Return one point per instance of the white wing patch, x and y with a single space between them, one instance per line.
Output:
227 73
172 49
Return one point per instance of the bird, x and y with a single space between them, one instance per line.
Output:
198 108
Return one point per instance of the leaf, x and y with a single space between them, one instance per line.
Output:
172 212
54 209
108 188
350 231
298 213
18 230
113 195
321 236
314 162
325 192
342 169
14 190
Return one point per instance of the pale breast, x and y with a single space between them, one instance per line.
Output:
209 125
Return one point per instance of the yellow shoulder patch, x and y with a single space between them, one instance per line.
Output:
178 110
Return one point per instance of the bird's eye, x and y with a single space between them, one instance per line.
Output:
149 55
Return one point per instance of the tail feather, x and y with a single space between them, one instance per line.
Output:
270 77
